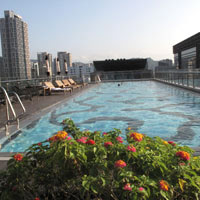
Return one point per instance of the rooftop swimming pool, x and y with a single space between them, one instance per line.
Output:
149 107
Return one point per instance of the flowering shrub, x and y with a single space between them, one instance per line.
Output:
136 136
76 164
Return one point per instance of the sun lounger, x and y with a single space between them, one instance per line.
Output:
72 82
60 84
52 88
68 84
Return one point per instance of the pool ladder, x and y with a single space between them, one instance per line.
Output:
9 107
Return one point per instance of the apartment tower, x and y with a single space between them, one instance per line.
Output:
15 46
64 57
44 58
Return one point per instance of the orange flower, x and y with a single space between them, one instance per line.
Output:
136 136
164 185
183 155
61 135
120 164
165 142
18 157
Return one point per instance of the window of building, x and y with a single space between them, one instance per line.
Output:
188 58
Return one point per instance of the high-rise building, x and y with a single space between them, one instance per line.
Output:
1 68
34 69
15 46
64 57
43 59
81 69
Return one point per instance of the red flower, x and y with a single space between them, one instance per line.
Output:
18 157
104 133
131 148
39 144
120 164
91 142
37 198
119 139
82 140
136 136
107 144
127 187
183 155
69 138
141 189
172 143
164 185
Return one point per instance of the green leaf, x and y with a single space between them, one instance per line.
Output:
163 194
103 181
94 149
93 189
86 185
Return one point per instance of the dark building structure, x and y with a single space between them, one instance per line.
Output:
187 53
120 65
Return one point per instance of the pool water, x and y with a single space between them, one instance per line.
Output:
149 107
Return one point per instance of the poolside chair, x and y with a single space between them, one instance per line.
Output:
72 82
49 86
68 84
60 84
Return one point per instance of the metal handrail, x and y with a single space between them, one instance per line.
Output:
9 105
22 106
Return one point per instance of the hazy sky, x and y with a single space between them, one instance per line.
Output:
102 29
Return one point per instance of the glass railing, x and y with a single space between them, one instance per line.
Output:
190 79
9 85
125 75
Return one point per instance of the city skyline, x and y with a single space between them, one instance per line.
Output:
94 30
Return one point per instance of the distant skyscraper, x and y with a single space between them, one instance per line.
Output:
1 68
15 47
64 57
79 69
43 59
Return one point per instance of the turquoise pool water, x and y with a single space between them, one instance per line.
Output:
149 107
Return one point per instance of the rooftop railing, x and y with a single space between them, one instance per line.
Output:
23 83
185 78
125 75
